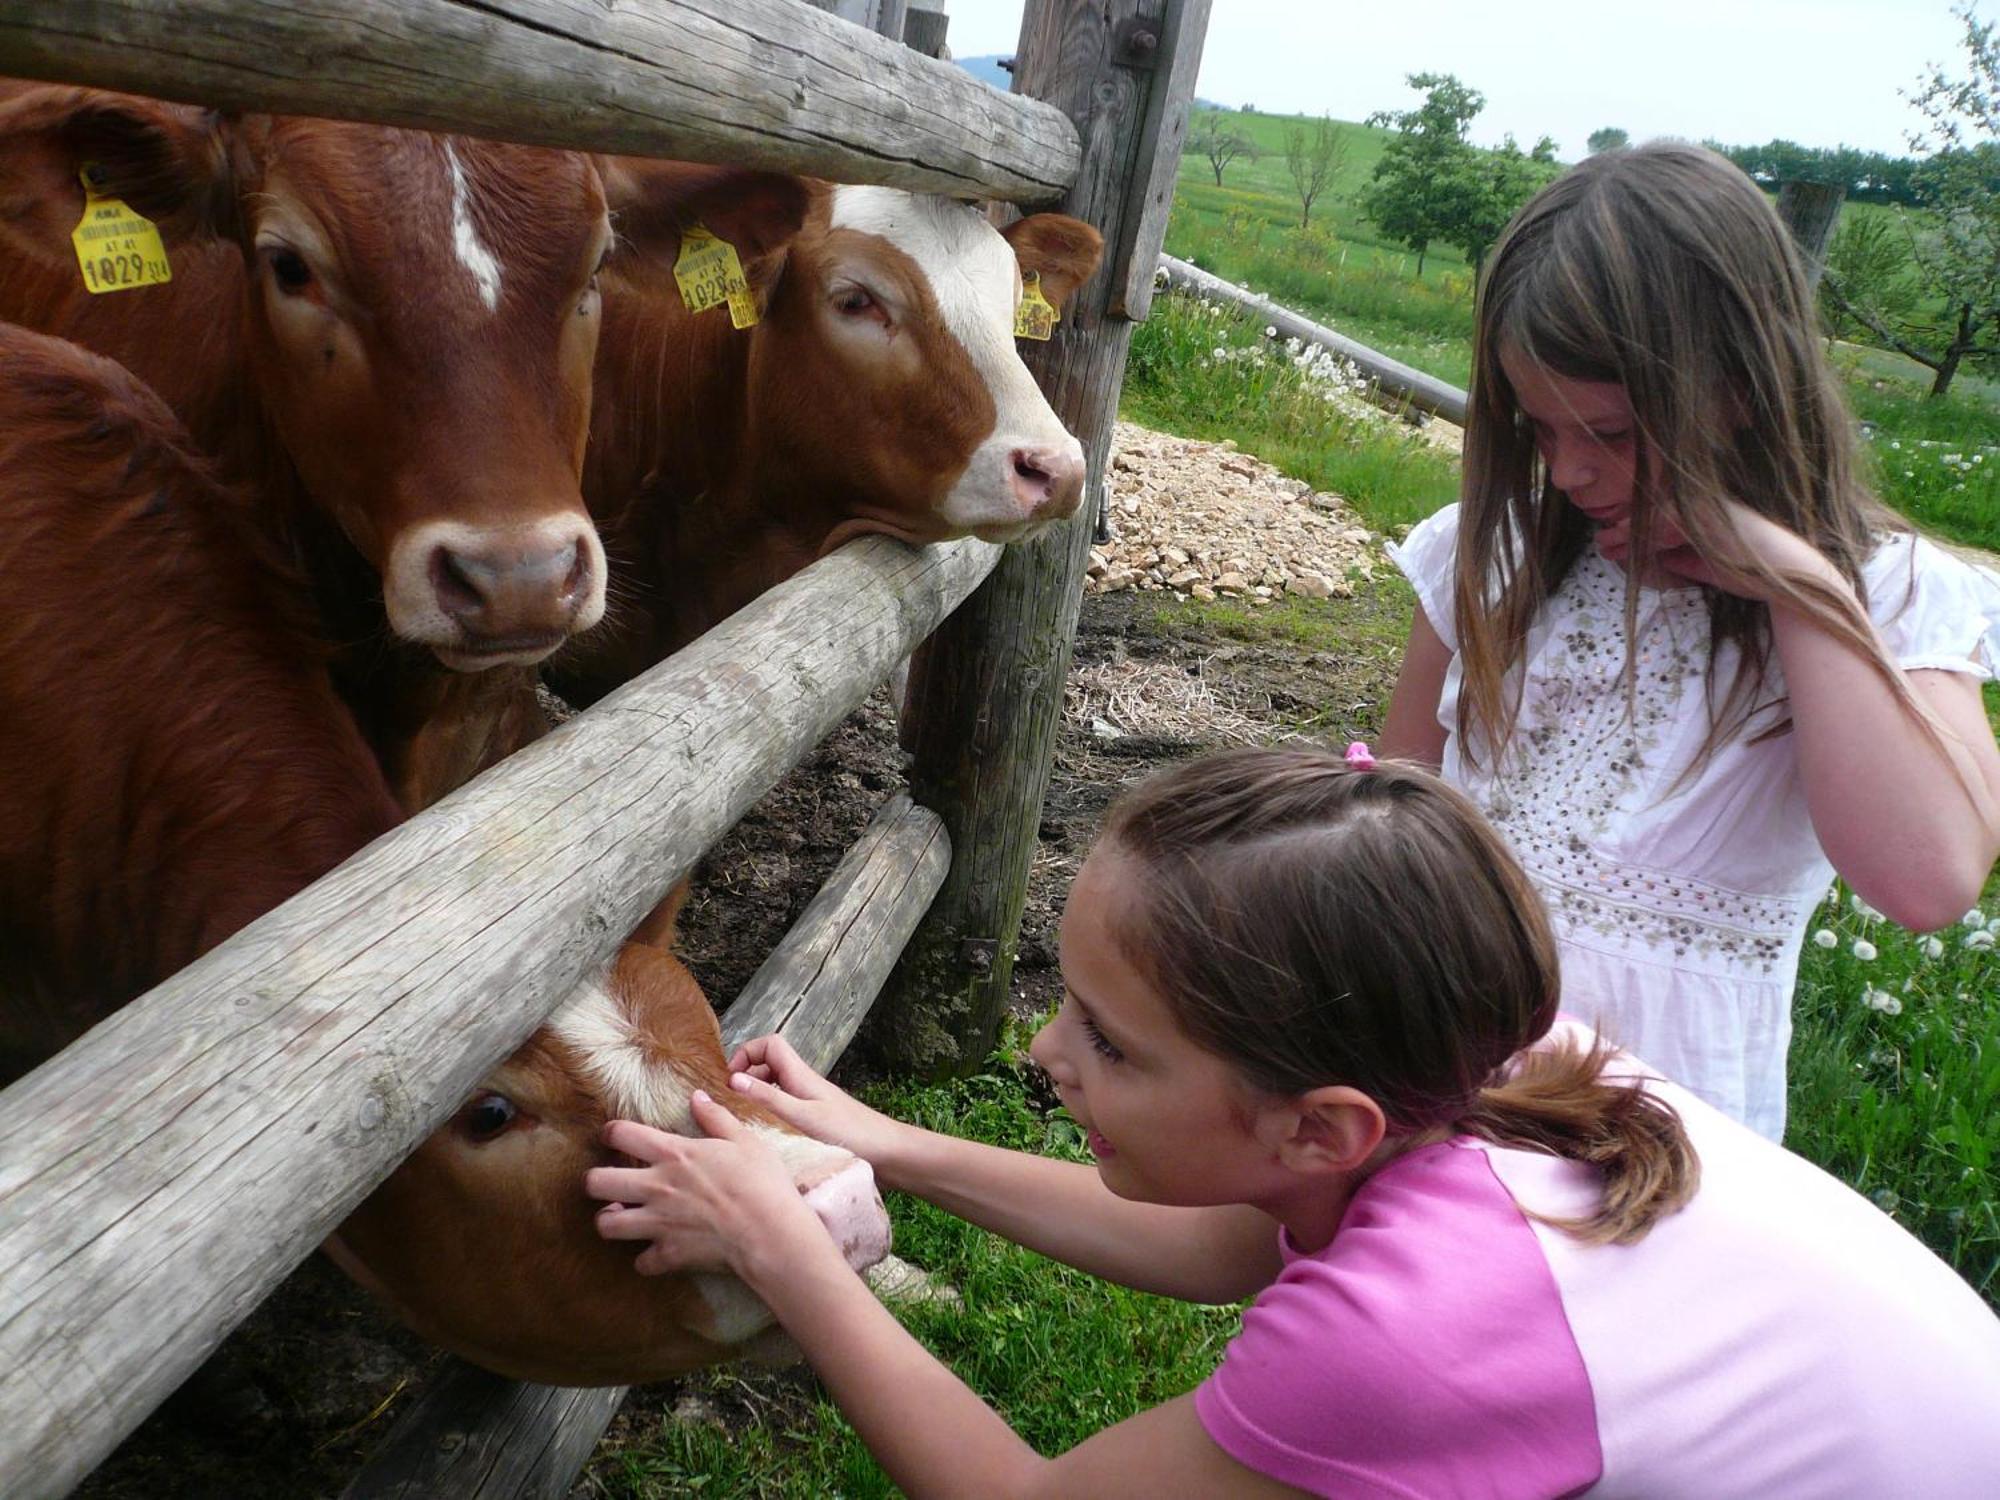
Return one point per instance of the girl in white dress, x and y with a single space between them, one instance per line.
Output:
1670 642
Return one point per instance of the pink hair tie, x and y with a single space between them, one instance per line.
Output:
1360 757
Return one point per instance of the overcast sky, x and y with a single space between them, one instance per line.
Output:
1821 72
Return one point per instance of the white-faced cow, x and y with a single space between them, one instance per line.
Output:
176 761
389 335
879 391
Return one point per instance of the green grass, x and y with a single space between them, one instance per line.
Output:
1204 371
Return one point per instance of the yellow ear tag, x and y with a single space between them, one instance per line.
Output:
1036 317
116 248
709 273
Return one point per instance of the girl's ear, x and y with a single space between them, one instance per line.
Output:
1330 1129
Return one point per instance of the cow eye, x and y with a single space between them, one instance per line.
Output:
858 302
487 1116
289 269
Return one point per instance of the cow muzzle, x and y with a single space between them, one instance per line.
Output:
487 596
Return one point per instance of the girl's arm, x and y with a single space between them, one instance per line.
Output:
1912 825
1411 731
1059 1209
727 1201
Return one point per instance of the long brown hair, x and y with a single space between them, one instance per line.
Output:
1314 924
1664 270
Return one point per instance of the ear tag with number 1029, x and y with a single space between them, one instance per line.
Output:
1036 317
709 273
117 248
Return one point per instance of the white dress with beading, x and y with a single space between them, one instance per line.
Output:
1680 900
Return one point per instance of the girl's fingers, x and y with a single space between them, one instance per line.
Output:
616 1222
713 1118
641 1142
617 1184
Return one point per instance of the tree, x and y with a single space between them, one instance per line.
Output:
1314 156
1954 233
1869 260
1426 179
1610 138
1212 136
1498 183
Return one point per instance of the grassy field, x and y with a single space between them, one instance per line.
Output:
1896 1058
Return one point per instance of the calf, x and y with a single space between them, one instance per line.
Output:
390 336
176 762
879 391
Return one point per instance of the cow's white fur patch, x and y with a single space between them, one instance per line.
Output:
472 251
976 280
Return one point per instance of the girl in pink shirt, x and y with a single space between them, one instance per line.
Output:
1310 1029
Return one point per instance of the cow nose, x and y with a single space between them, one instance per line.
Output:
1047 482
509 589
852 1211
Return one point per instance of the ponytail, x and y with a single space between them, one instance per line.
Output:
1557 1101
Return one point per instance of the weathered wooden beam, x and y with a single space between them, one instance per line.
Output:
819 981
767 83
1392 377
164 1172
475 1434
985 694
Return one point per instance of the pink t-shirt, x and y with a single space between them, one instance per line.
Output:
1779 1337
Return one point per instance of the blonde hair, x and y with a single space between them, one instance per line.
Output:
1663 270
1311 924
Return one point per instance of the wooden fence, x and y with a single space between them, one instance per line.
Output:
163 1173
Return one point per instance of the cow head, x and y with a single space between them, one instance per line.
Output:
484 1242
418 316
883 377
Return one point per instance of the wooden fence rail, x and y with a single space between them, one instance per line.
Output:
164 1172
1391 376
768 83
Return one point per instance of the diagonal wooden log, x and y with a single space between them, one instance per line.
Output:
160 1175
766 83
472 1433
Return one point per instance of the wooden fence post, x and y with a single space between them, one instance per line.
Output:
986 692
1810 210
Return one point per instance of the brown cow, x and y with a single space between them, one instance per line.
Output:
176 762
390 336
880 391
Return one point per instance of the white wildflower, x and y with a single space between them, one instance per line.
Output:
1933 948
1980 942
1270 330
1825 938
1974 918
1833 895
1218 353
1864 950
1862 907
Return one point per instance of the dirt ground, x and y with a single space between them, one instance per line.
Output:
322 1374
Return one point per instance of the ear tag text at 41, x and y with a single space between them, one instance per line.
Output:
709 272
1036 317
117 248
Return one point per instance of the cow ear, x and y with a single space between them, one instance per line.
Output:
651 202
168 161
1061 250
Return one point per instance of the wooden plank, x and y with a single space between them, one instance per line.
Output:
986 692
475 1434
1392 377
767 83
820 980
257 1096
1143 231
472 1432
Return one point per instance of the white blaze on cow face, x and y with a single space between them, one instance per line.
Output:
633 1084
472 251
1028 471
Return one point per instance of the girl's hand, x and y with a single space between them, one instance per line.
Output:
724 1202
1778 547
767 1070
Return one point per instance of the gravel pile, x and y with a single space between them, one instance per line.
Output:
1204 521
